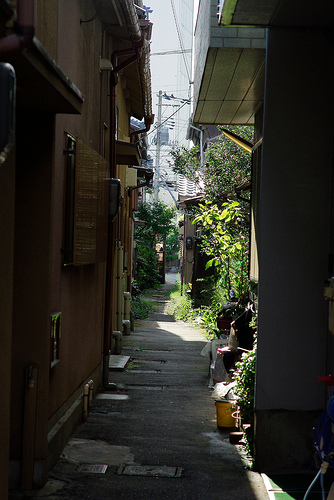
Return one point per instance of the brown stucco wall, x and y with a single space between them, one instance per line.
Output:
31 304
77 291
7 197
47 25
42 284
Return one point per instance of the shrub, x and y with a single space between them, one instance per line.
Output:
147 275
181 308
244 390
139 308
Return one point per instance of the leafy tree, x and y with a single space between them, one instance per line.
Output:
226 166
226 242
186 162
159 217
159 223
224 214
172 245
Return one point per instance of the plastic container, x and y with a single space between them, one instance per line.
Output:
226 413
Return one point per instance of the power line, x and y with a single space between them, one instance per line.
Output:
171 52
180 40
174 113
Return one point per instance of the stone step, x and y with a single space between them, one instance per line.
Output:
118 362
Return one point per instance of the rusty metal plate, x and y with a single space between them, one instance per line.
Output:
145 372
115 397
150 470
93 468
147 387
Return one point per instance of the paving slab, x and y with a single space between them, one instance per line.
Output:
118 362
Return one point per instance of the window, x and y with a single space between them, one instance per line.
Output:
86 204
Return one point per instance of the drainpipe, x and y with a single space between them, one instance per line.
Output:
24 29
120 284
139 40
200 142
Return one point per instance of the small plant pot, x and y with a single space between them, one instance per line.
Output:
236 437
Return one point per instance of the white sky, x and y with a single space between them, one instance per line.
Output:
169 72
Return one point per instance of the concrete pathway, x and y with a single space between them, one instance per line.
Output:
156 437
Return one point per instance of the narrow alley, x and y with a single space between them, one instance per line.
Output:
157 434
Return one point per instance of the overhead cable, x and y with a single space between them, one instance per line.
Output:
162 123
180 40
171 52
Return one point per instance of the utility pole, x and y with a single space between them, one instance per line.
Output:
157 160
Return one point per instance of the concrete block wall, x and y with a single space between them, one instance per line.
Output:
233 37
209 34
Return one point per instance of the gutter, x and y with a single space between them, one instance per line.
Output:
140 32
24 29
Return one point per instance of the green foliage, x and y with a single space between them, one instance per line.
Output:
181 308
209 320
172 245
186 162
159 223
224 216
226 165
180 305
212 297
159 217
225 240
245 383
139 308
244 390
175 291
147 274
